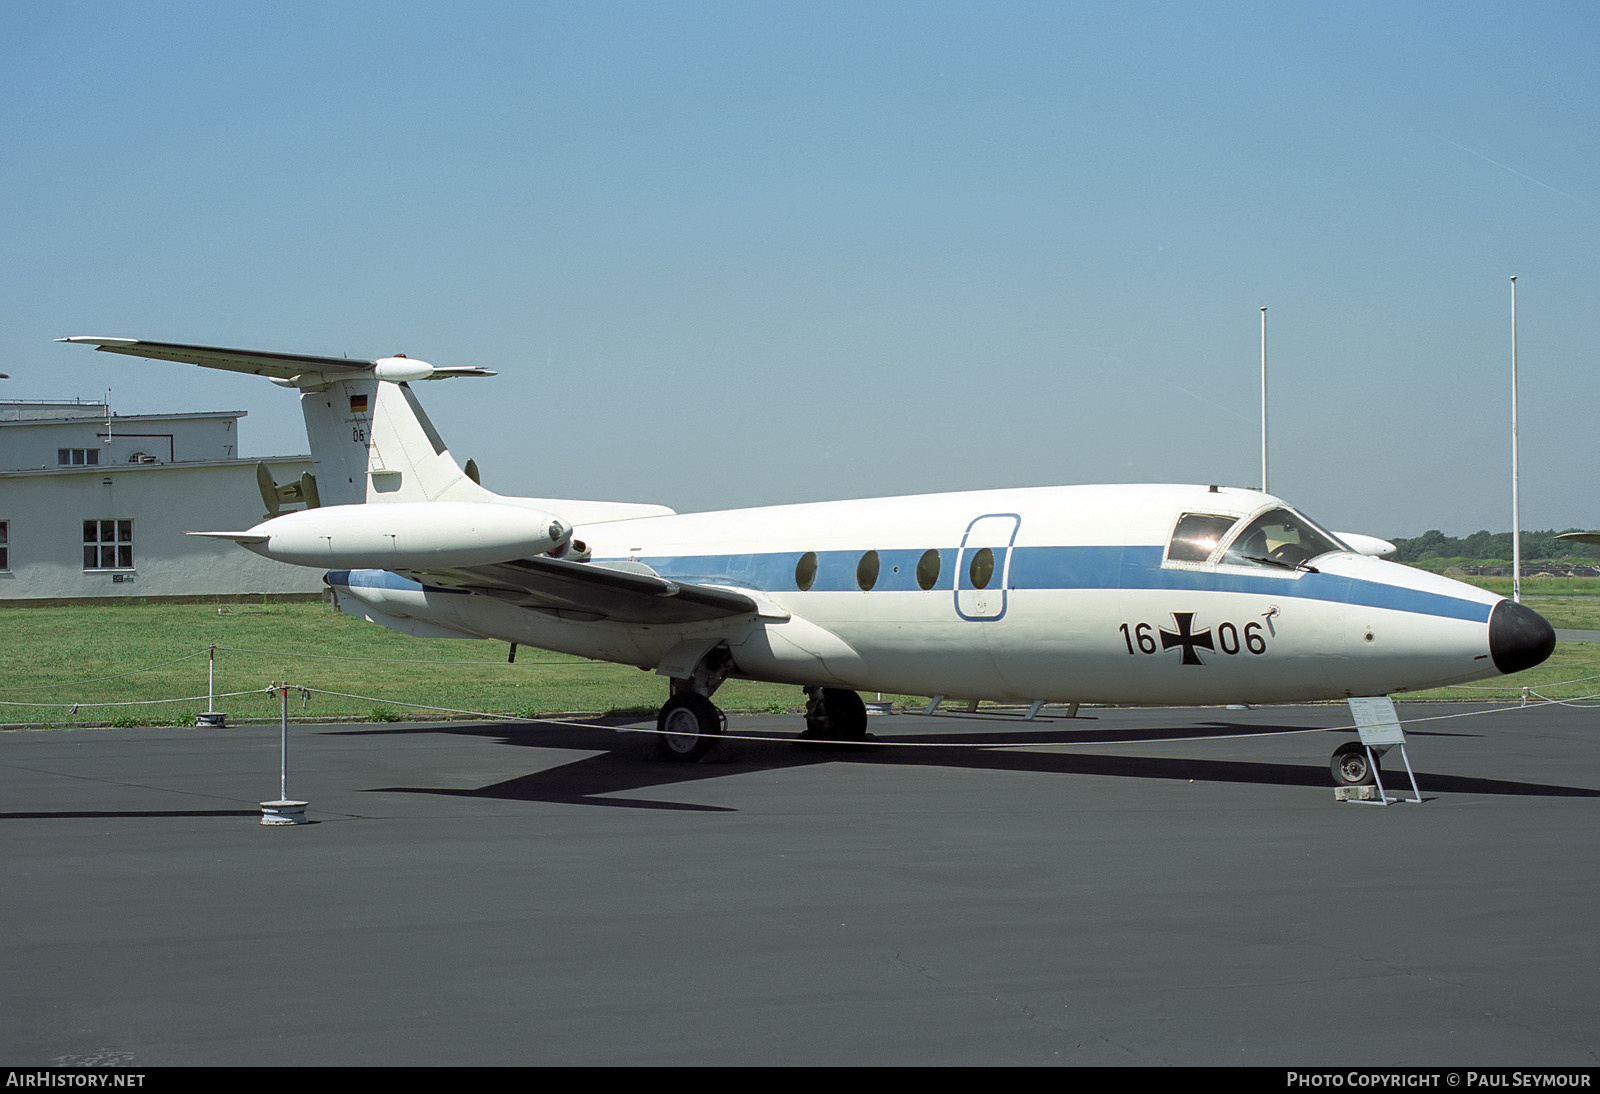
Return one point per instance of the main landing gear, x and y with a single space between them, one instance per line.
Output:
833 714
688 727
689 724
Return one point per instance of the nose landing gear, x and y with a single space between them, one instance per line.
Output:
1353 765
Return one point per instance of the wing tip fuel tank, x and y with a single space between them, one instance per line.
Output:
404 535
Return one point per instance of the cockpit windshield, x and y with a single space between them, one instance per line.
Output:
1280 537
1196 536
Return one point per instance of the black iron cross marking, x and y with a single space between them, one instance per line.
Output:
1186 638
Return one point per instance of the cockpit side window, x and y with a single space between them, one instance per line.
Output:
1279 537
1196 536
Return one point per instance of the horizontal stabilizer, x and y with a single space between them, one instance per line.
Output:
279 366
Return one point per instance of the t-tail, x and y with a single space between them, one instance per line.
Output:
370 439
385 491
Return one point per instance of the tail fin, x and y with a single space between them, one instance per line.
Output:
371 441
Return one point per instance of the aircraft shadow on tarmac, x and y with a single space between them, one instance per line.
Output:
628 762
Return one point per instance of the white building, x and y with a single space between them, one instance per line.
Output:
96 505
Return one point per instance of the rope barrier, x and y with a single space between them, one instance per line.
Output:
1526 691
412 706
401 660
583 662
75 704
789 739
1517 687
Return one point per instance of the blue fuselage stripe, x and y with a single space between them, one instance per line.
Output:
1136 568
1127 569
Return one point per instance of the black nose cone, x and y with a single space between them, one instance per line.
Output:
1519 638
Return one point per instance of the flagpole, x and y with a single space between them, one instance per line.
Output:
1263 400
1516 511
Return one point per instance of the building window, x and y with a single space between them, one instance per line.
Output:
108 545
78 457
5 545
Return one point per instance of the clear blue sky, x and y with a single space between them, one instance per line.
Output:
739 253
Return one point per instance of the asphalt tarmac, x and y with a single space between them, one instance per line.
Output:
1135 887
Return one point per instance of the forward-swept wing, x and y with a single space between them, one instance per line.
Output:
590 591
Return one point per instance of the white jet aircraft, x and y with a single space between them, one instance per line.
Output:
1080 594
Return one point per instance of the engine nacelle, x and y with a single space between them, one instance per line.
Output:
404 535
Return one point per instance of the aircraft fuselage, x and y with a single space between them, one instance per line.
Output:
1057 593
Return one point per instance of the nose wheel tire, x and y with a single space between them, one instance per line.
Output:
1352 765
688 727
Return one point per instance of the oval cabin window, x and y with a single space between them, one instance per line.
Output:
982 569
805 571
867 571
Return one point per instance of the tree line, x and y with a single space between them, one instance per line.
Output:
1491 547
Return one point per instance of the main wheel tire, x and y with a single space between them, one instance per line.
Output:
1352 766
688 727
845 713
836 716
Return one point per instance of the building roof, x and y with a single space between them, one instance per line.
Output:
149 468
198 415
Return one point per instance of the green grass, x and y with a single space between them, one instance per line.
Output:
1535 587
89 656
1563 676
1567 613
109 661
